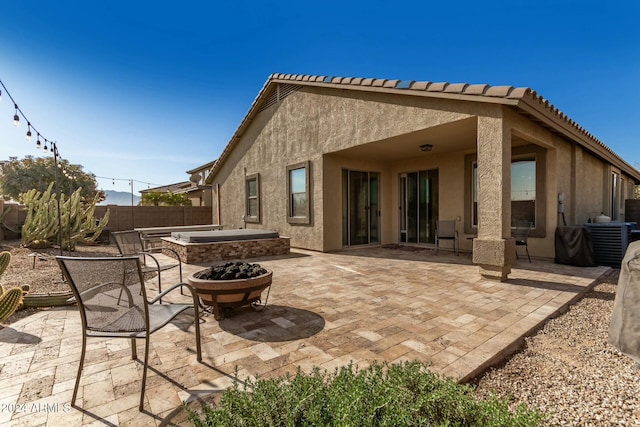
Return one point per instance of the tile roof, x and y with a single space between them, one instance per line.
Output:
201 167
524 99
174 188
480 90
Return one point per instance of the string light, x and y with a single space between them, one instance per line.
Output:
16 118
53 148
30 128
113 181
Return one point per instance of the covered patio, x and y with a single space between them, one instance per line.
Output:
325 309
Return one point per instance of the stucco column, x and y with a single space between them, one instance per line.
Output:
494 248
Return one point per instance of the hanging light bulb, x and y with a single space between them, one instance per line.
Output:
45 148
16 118
38 145
28 131
0 96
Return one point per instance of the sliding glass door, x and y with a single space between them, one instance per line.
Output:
418 206
360 207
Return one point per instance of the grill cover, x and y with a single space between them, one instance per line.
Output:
624 329
573 247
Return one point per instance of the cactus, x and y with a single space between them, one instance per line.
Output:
77 220
5 258
10 300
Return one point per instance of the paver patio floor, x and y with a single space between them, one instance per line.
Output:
325 309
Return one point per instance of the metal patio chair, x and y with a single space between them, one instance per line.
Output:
446 230
113 303
129 243
521 236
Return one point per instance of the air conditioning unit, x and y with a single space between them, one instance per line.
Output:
610 241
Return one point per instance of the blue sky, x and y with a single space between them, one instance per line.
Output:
147 90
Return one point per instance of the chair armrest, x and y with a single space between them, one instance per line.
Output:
176 286
147 254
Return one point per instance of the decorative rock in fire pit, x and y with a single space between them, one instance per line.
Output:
233 284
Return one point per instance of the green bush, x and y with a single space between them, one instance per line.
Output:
394 395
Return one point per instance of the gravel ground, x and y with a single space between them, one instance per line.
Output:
45 276
567 370
570 372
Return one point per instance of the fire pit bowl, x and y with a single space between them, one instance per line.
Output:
234 284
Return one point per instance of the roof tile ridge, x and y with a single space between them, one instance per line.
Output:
437 87
456 87
476 89
565 118
420 85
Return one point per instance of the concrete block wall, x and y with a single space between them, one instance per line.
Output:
128 217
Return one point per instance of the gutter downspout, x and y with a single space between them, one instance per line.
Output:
218 204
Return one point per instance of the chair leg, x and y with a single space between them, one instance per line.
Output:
517 256
144 371
196 320
75 389
526 247
134 353
437 245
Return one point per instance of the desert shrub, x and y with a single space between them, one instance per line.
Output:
394 395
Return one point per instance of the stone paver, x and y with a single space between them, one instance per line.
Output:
324 310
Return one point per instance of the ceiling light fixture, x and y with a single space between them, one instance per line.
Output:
426 147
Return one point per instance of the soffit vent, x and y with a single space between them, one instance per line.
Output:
280 92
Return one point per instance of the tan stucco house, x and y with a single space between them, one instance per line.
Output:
336 162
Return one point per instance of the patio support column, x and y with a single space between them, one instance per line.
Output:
494 248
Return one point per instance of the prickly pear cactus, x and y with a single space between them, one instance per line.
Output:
9 302
5 258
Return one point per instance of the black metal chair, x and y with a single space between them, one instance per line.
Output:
446 230
521 236
129 243
112 300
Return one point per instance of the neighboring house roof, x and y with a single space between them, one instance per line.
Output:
523 99
185 186
174 188
203 167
